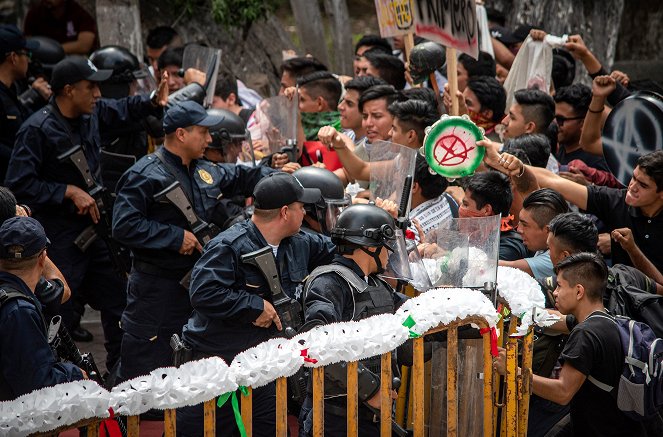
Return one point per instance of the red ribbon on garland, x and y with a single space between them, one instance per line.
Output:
110 427
307 359
493 339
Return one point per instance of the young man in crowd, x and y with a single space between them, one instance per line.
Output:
348 108
485 99
294 68
387 67
593 351
158 40
538 209
171 61
226 96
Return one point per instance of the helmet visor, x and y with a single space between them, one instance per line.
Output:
398 266
145 82
328 214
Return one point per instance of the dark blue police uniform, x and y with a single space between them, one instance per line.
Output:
157 305
39 180
227 297
27 362
12 116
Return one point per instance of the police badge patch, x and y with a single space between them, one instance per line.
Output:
205 176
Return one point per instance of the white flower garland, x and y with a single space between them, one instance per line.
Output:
195 382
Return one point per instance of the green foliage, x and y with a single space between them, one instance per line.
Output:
230 13
241 13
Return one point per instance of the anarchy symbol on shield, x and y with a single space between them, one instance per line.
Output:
451 150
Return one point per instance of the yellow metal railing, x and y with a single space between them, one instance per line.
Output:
514 405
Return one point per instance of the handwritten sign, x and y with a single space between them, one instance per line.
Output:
452 23
396 17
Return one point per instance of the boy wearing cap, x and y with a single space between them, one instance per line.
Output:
162 242
27 362
231 300
15 52
42 177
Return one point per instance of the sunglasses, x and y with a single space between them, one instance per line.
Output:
561 120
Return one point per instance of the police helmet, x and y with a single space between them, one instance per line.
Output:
333 201
232 127
49 52
425 58
364 225
124 64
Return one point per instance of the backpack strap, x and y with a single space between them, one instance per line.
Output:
599 384
349 276
8 294
453 206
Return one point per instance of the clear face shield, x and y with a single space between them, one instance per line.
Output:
328 214
144 82
275 124
398 264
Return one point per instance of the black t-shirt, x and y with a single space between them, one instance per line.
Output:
609 206
512 247
594 161
593 348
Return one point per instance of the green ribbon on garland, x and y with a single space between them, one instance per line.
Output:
235 404
409 323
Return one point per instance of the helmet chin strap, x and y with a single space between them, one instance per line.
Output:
376 257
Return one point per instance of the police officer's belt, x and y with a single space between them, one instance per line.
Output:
151 269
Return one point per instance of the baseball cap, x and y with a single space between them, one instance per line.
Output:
188 113
74 69
11 40
279 189
21 237
503 35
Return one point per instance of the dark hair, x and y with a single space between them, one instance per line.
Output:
361 84
376 92
544 205
425 94
563 68
390 68
160 36
490 93
492 188
322 83
652 165
577 232
587 269
535 146
226 83
373 41
7 204
537 107
171 56
496 16
577 95
414 114
302 66
484 66
432 184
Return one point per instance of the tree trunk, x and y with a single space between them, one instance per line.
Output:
337 11
597 21
310 28
118 23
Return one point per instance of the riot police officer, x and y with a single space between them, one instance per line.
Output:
231 298
229 139
321 216
161 214
350 289
54 169
123 144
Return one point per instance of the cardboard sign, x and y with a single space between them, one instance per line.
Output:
396 17
450 23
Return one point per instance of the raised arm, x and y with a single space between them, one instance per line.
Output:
356 168
590 139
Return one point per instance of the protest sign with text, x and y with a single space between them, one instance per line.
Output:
396 17
452 23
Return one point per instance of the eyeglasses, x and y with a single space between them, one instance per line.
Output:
561 120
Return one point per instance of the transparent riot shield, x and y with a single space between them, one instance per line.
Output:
275 124
390 165
466 254
207 60
420 280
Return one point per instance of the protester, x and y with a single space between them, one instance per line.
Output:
226 96
158 40
294 68
170 61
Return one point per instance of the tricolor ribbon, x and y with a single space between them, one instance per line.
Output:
493 339
235 404
409 323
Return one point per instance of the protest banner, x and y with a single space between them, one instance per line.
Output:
451 23
396 17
